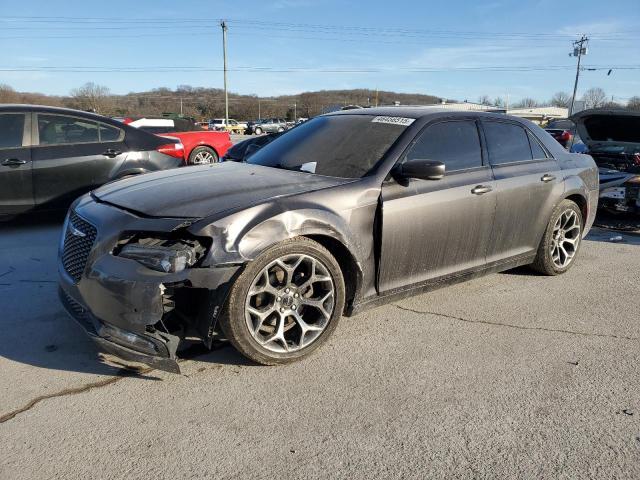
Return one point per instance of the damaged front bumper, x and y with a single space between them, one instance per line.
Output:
129 310
157 353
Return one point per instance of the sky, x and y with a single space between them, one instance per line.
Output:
454 49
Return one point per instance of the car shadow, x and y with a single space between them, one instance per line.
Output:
35 328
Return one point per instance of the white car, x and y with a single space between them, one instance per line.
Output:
234 125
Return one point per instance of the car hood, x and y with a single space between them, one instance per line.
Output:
607 128
197 192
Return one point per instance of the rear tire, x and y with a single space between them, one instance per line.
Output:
203 156
561 240
285 304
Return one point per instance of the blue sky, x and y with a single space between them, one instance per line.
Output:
336 44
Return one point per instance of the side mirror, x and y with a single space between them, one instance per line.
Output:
422 169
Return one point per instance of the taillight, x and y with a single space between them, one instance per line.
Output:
172 149
565 136
636 159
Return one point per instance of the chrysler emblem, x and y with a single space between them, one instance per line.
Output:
75 231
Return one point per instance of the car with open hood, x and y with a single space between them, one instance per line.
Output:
612 138
344 212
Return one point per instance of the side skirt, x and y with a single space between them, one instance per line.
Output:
435 284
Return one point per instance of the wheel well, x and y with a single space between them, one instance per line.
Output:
581 202
346 261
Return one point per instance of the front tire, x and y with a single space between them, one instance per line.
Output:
286 303
203 156
258 131
561 241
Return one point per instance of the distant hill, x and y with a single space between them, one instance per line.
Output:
204 103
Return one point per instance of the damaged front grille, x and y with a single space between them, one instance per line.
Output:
78 241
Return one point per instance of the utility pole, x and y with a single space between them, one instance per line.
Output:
223 24
579 49
259 110
295 111
180 105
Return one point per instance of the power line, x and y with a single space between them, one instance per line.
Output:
305 27
257 69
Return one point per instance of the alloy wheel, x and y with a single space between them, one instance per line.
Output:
290 303
203 158
565 238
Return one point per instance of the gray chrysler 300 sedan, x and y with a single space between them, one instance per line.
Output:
346 211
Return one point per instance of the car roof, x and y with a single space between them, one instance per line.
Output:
153 122
20 107
417 112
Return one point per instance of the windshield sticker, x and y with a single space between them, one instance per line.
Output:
394 120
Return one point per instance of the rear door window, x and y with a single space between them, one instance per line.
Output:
11 130
66 130
507 143
454 143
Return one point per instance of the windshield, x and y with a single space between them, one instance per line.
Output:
346 146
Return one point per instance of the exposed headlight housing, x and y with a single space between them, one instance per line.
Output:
162 255
634 180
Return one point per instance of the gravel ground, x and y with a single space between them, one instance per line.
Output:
509 376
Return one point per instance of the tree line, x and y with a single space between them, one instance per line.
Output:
204 103
594 97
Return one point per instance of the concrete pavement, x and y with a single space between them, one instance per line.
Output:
511 375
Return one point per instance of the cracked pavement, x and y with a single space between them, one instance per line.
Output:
511 375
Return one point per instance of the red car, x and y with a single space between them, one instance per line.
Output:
200 146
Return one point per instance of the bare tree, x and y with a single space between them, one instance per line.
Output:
634 103
484 100
91 97
561 99
499 102
594 98
7 94
527 103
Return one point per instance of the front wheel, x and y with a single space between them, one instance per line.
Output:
286 303
258 131
280 129
561 240
203 156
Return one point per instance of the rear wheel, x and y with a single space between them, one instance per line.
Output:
286 303
203 156
561 240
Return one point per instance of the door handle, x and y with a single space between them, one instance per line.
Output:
111 153
13 162
480 189
547 178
